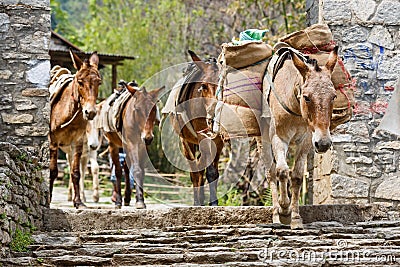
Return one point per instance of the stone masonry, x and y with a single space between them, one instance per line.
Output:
24 73
24 116
364 165
23 194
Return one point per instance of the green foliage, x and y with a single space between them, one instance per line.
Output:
267 197
279 17
231 197
62 21
21 240
22 156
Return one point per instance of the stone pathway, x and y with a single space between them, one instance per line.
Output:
320 244
208 236
59 201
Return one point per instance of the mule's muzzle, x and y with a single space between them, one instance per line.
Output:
322 145
89 114
93 147
148 139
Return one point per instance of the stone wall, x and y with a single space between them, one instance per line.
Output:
364 164
24 73
24 116
23 194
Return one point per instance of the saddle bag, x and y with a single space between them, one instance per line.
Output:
317 37
317 42
239 94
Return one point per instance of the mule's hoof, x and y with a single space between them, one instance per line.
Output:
127 203
69 198
80 205
285 218
275 218
118 206
140 205
296 224
96 199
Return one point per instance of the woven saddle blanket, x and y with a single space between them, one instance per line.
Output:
110 115
59 79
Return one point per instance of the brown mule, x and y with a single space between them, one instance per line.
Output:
194 131
301 103
138 118
69 115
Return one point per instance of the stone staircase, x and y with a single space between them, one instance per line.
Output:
335 235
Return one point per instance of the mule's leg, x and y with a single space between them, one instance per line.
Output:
280 149
83 166
94 167
296 183
273 184
75 172
135 154
114 153
212 173
53 169
128 189
198 188
139 180
196 177
270 170
68 154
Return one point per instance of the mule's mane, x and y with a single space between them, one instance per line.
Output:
314 63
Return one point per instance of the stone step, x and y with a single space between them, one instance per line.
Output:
215 244
100 219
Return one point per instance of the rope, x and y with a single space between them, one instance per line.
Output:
73 117
278 97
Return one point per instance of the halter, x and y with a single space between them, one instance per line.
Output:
76 101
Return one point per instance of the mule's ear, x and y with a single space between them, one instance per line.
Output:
300 65
332 59
157 91
197 60
131 89
94 59
75 60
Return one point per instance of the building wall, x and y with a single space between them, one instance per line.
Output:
23 194
24 73
24 117
364 165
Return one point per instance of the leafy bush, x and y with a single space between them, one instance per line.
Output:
21 240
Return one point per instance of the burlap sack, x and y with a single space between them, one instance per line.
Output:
237 121
344 102
244 87
316 37
245 54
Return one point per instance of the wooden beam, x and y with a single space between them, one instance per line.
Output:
113 77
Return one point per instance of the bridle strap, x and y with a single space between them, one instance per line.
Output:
76 101
74 92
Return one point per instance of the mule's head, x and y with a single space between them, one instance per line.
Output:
316 98
86 82
208 82
146 111
93 135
